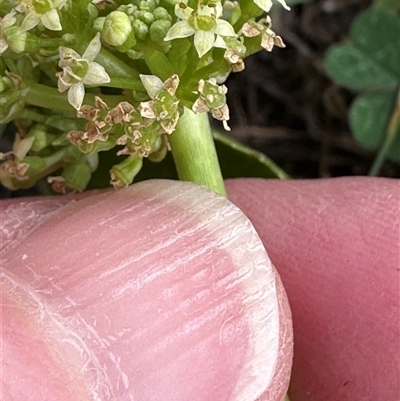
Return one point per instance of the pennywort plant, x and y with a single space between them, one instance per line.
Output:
80 77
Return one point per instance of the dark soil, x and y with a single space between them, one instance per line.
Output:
284 105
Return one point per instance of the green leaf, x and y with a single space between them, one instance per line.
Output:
377 34
236 161
391 6
369 118
372 60
352 68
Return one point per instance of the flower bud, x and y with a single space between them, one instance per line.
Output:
140 28
161 149
146 17
122 174
159 30
77 176
117 27
36 165
161 13
129 43
16 40
148 5
41 138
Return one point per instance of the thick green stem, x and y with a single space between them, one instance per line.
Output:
194 152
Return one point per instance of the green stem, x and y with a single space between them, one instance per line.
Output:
44 96
119 71
194 153
50 98
28 114
392 132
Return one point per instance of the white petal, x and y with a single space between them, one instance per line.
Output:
219 42
179 30
267 4
206 11
67 55
264 4
203 42
51 20
284 4
76 94
146 109
183 13
9 19
152 84
93 49
218 9
96 75
224 28
62 84
30 21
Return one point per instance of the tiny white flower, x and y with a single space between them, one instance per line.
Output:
163 105
6 22
267 4
212 98
205 24
78 71
44 11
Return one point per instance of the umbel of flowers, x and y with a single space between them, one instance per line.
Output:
80 77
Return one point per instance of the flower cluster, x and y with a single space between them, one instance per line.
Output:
119 76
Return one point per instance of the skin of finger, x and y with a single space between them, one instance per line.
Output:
335 244
19 217
283 306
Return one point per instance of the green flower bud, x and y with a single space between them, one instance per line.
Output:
161 150
14 183
149 5
77 176
41 138
122 174
129 43
158 30
36 165
146 17
16 41
161 13
117 27
141 29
